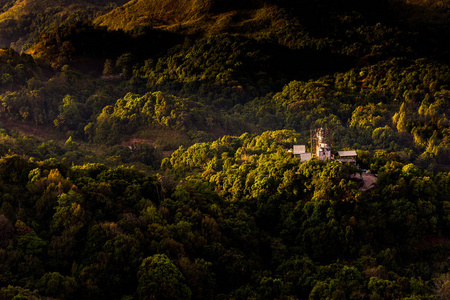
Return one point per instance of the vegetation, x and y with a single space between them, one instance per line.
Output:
21 21
144 149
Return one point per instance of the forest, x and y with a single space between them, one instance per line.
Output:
145 149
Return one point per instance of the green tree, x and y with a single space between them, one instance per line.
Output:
71 114
399 119
108 69
56 285
159 278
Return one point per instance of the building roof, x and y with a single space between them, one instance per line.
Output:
347 153
299 149
305 156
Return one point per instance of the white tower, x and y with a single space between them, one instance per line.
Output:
323 151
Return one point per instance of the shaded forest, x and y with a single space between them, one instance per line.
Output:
144 149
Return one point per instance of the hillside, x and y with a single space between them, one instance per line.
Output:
189 16
246 69
146 149
154 14
22 20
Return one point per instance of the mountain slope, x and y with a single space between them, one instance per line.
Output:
22 20
154 13
192 16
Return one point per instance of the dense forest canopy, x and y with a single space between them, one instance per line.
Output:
145 149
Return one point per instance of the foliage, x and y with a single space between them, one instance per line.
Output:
150 158
237 216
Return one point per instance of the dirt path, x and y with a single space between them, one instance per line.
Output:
368 180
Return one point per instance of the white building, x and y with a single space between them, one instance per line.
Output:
348 156
320 138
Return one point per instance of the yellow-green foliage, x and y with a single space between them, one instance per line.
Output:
195 15
153 13
23 8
